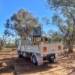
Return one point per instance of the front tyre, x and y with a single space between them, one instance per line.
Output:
51 59
34 60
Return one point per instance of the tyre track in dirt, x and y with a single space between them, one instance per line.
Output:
23 66
65 66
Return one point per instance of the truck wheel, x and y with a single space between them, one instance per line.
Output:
51 60
19 55
34 60
24 54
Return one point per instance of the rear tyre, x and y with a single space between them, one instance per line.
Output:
34 60
51 60
19 55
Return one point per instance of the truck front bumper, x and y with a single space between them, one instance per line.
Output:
49 56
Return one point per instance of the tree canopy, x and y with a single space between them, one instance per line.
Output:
64 18
22 22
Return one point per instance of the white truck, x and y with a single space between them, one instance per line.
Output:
38 52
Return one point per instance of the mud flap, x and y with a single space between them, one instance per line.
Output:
39 60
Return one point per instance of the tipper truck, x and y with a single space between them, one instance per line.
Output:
38 49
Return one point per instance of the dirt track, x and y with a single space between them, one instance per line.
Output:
11 65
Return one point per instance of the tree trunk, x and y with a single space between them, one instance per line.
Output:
70 49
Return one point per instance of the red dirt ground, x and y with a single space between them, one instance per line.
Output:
10 64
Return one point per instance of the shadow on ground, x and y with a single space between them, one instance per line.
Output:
22 66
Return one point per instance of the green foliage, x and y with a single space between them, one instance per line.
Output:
23 22
10 45
58 3
8 28
56 37
64 18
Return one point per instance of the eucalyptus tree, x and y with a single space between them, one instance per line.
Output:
64 18
22 23
56 37
1 43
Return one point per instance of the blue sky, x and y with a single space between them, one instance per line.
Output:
37 8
